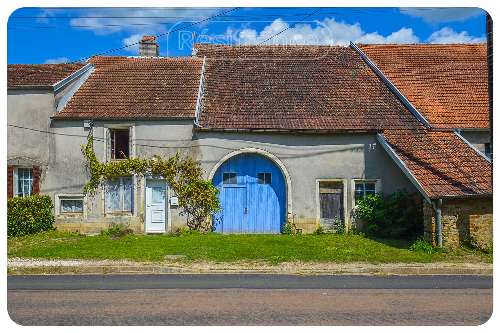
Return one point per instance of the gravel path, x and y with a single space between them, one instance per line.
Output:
40 266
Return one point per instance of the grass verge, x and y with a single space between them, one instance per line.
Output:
231 248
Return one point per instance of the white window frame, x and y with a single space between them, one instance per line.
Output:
130 212
378 188
16 179
70 196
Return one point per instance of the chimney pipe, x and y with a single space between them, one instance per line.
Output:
148 47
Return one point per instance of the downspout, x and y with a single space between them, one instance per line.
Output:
436 204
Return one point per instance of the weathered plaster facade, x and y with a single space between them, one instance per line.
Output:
306 159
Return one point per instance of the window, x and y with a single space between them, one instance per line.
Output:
264 178
70 205
487 150
229 178
362 189
119 143
119 195
24 182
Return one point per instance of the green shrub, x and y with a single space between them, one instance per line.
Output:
29 215
185 231
420 245
394 216
288 228
319 231
117 230
339 226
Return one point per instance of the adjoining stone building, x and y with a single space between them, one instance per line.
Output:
286 133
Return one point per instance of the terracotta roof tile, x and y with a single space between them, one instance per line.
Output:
442 163
313 87
331 88
45 75
126 87
448 84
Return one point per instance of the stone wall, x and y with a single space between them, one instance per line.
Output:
464 221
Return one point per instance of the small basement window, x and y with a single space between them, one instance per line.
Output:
119 143
229 178
363 188
70 205
264 178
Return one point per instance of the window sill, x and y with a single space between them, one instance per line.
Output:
119 214
69 215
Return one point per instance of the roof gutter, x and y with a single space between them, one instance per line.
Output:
402 165
391 86
200 94
287 130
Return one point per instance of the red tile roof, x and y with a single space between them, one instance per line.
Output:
448 84
299 88
19 76
331 88
126 87
296 88
442 163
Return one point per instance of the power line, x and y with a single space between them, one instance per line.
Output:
289 27
157 36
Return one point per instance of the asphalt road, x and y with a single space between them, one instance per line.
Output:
249 300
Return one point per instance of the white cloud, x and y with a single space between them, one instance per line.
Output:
134 20
328 31
60 60
436 15
133 39
450 36
137 22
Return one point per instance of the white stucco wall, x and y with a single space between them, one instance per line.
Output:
30 109
309 158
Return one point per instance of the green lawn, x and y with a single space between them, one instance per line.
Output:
227 248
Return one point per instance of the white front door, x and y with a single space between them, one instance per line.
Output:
156 193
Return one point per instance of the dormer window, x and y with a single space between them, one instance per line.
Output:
119 143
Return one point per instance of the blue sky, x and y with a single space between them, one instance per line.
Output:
51 35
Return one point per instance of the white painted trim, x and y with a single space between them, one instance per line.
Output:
62 83
378 187
344 199
200 93
480 153
15 178
272 157
402 165
391 86
168 215
67 96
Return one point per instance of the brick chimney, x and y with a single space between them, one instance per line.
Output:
148 47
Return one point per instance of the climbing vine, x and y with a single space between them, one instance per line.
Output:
198 198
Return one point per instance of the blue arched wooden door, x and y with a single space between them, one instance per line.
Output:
252 195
